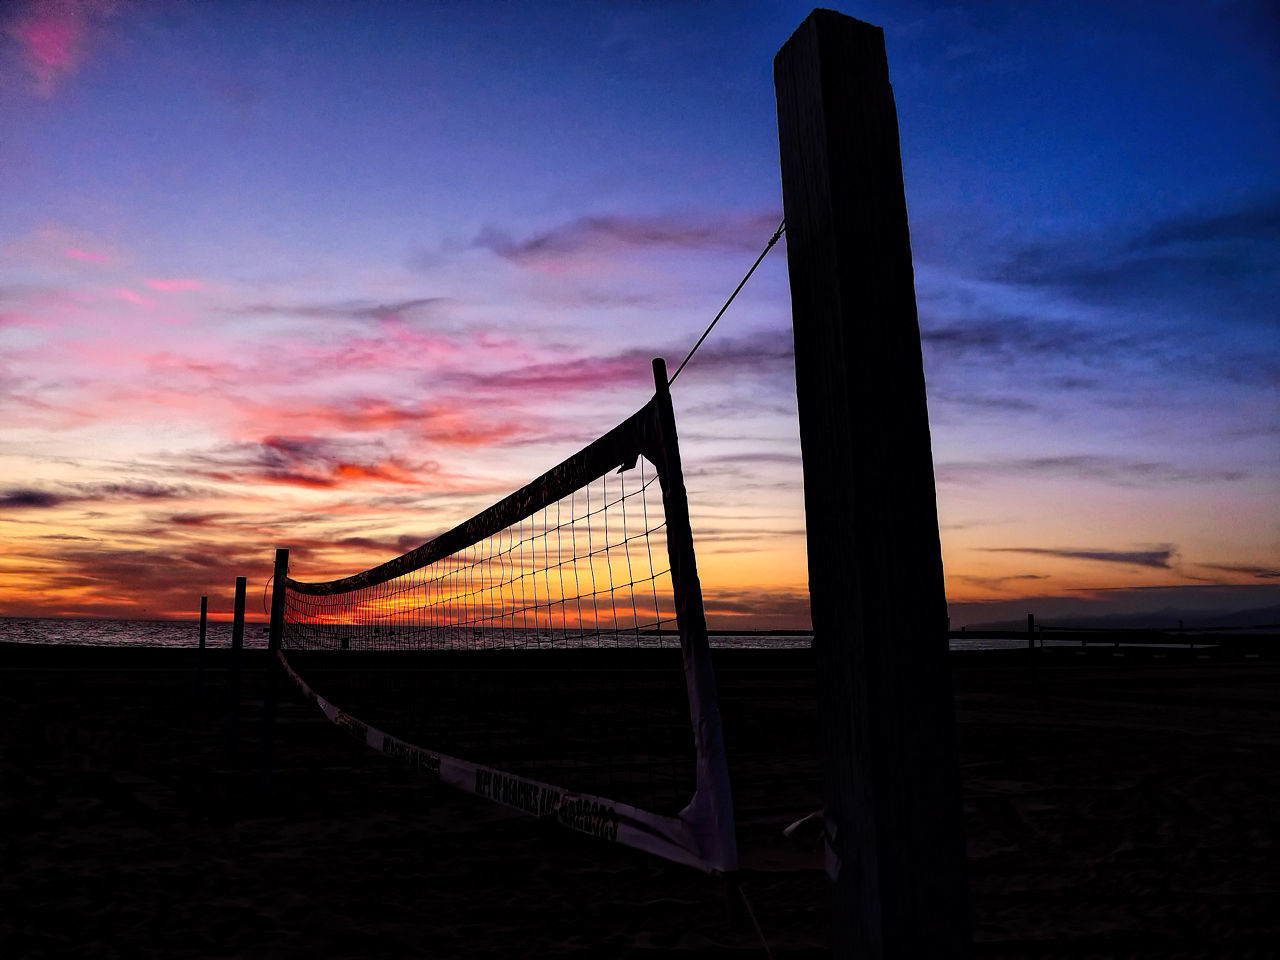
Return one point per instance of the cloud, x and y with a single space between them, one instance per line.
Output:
173 284
385 546
53 36
1247 569
1160 558
1116 470
1227 257
749 460
451 423
1103 311
80 575
1257 221
22 497
36 498
343 309
766 351
744 539
197 519
1002 404
86 256
998 583
59 247
1016 336
779 608
569 375
608 234
129 296
313 462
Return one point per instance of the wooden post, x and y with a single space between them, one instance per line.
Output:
894 816
204 621
1031 631
275 633
233 672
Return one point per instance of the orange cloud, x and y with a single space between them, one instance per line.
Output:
388 471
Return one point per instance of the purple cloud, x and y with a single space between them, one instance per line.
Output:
1161 558
611 233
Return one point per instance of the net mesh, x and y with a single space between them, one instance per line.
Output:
547 648
590 569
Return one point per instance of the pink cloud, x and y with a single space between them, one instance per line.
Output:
174 284
124 293
10 319
53 36
447 421
51 40
86 256
567 246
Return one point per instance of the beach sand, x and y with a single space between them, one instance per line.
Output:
1116 807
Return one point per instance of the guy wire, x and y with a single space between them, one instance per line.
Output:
767 247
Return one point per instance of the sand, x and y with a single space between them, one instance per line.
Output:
1116 806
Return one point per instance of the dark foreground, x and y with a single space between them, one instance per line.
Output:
1116 807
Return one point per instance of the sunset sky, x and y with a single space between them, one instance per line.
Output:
334 276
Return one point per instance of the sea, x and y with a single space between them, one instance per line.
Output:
182 633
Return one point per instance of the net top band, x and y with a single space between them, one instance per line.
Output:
638 435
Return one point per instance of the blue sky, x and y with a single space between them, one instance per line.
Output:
341 273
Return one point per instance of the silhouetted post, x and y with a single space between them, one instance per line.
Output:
892 788
233 672
275 633
204 622
1031 631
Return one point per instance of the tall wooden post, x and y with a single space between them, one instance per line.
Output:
233 672
899 882
275 634
1031 631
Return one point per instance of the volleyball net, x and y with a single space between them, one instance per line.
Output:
549 654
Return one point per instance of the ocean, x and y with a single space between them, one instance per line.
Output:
183 633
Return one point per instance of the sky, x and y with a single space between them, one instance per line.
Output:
335 276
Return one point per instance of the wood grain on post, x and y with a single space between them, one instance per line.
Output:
892 791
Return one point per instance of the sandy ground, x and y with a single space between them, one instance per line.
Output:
1115 807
